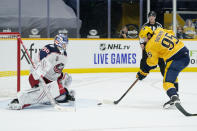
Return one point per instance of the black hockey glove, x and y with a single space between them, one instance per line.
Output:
141 75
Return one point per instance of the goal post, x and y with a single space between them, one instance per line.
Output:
15 37
16 55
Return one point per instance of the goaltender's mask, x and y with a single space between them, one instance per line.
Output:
61 41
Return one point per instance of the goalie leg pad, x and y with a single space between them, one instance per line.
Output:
38 95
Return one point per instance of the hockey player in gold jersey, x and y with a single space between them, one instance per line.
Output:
162 43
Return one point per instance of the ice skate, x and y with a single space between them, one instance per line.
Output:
170 104
14 105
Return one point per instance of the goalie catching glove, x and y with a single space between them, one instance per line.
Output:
141 75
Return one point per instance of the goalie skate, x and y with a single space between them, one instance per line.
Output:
170 104
15 105
67 99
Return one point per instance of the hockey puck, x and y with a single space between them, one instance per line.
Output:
99 104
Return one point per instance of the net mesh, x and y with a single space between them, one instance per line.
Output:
10 63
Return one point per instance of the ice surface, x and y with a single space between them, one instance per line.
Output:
140 110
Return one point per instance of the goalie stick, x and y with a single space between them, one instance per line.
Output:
117 101
46 90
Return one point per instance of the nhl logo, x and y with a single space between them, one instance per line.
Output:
103 46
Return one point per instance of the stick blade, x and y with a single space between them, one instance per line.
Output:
182 110
105 101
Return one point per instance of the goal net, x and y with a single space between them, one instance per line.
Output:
10 67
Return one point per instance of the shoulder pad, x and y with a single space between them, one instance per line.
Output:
48 49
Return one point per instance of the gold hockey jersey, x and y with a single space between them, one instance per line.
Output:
163 44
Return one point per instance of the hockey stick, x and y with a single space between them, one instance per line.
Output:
117 101
182 110
45 88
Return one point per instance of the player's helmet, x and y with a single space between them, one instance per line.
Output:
152 13
61 40
145 31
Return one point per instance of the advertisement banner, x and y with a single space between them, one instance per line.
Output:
85 53
103 54
192 46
